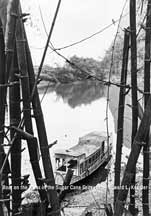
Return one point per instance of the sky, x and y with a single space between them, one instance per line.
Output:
76 20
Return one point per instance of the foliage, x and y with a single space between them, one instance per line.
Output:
118 48
117 57
89 65
118 54
79 69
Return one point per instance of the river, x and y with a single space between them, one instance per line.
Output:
72 110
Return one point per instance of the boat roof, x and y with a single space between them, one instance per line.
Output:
86 145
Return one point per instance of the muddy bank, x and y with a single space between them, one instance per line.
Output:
94 199
97 190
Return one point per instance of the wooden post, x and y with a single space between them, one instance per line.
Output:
43 141
145 191
120 123
15 118
139 141
134 90
32 144
66 183
108 210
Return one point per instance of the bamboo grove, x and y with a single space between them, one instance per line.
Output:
17 80
140 134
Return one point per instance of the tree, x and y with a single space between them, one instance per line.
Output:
89 65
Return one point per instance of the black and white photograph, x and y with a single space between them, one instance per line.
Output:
75 108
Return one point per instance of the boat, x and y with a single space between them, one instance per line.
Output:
92 151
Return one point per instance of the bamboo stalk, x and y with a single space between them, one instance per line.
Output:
145 191
139 141
134 91
10 28
46 47
15 118
121 107
66 182
43 141
12 15
2 105
22 62
108 210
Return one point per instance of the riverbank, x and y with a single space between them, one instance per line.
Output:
97 190
94 199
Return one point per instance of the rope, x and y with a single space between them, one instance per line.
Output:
82 40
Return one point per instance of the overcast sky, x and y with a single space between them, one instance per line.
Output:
76 20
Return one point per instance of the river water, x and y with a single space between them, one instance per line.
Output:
72 110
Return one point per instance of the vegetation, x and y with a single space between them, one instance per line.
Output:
80 68
76 69
117 57
118 46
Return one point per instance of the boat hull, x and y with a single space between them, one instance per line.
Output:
77 179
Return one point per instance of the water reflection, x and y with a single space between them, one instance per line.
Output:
83 93
71 111
76 94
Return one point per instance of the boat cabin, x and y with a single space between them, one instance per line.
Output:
85 157
66 159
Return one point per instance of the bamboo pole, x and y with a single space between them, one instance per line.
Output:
46 47
138 142
66 182
145 191
43 141
12 15
2 105
121 107
15 118
32 144
149 199
108 210
134 91
10 28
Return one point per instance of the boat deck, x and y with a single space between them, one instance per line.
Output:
86 145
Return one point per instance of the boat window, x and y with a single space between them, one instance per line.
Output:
62 168
86 163
96 155
90 161
99 153
72 163
103 146
81 167
57 162
93 158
